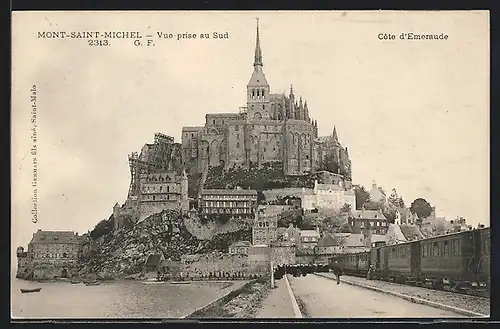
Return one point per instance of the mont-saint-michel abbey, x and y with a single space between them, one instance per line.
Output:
253 212
271 129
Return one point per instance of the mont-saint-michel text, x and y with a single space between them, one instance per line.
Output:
131 35
412 36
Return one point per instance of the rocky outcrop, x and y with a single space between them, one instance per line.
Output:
269 176
124 252
209 229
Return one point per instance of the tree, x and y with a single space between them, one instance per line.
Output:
346 208
362 196
288 217
421 208
389 212
395 199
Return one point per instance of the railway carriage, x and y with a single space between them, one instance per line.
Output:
363 263
445 259
459 260
401 262
484 263
350 263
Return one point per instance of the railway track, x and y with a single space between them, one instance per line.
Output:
476 292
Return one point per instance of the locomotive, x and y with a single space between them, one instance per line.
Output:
459 261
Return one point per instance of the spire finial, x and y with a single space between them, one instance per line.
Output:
335 138
258 51
291 89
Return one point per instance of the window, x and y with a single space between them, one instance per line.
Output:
446 248
435 249
213 121
263 107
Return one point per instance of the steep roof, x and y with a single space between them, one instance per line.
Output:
258 77
411 232
329 241
54 237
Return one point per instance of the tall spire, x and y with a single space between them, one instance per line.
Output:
258 51
334 135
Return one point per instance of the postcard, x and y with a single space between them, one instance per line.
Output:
250 164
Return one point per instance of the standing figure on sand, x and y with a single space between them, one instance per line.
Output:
337 270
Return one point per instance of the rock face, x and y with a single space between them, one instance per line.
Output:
124 252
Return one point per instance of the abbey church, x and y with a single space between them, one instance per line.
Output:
270 128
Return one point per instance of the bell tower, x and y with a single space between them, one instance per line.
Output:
258 89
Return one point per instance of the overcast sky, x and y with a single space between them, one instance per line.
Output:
413 114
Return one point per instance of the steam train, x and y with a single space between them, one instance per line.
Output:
459 261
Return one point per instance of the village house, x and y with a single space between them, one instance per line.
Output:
309 238
374 220
328 244
265 226
403 233
352 242
236 203
240 248
328 196
405 216
376 194
291 234
51 254
459 224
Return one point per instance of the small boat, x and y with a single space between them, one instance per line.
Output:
30 290
95 283
152 282
75 281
